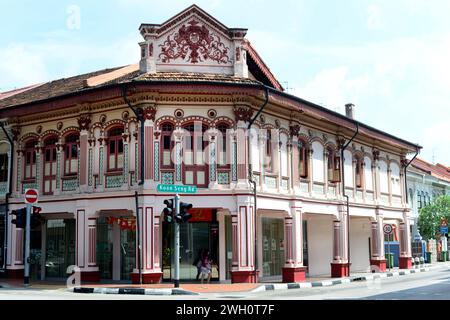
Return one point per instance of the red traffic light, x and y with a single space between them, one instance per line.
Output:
37 210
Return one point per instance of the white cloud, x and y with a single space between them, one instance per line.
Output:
374 19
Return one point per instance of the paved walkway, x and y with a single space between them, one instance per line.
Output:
190 287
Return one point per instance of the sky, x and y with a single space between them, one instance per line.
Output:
389 58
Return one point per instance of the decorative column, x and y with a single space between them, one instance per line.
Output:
340 266
310 152
376 176
86 235
150 243
83 122
404 163
16 164
178 157
243 115
101 162
294 131
405 259
389 174
293 270
59 166
38 183
149 114
377 260
325 169
91 154
243 235
212 158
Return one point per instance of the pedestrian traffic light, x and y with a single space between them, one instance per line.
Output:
36 218
184 215
168 211
21 216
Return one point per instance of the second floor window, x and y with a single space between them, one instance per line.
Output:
359 173
195 165
30 160
302 159
50 165
268 152
222 159
333 166
419 199
3 167
115 149
166 145
71 155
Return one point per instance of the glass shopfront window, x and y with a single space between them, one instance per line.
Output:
273 246
60 247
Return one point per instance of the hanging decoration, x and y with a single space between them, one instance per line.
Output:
124 223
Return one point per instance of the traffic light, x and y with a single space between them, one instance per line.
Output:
168 211
21 218
184 215
36 218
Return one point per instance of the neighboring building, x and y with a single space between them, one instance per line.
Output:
426 181
198 85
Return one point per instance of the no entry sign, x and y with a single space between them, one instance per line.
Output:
31 196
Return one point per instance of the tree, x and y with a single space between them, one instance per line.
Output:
430 216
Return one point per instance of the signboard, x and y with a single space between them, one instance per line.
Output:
444 230
31 196
387 228
201 215
176 188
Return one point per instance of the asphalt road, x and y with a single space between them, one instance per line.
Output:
431 285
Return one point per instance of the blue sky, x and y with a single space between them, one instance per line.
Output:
390 58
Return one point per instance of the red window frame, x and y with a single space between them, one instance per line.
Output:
302 159
29 160
166 136
359 172
334 165
194 145
70 143
115 138
49 157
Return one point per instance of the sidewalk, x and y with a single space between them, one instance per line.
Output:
197 288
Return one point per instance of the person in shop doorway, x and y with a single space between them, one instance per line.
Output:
198 262
206 266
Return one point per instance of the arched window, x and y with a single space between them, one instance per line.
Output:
30 160
50 165
359 172
428 201
115 149
268 152
302 159
333 166
71 155
195 167
167 145
222 146
4 162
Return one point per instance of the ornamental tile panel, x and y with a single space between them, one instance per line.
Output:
125 163
100 169
223 177
234 162
156 161
167 177
271 182
31 185
136 157
58 169
114 181
90 168
178 161
212 167
19 172
69 184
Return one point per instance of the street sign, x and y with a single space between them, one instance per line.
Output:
31 196
176 188
387 228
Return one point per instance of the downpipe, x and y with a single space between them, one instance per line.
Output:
406 180
343 193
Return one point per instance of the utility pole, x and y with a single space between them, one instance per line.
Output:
26 278
176 279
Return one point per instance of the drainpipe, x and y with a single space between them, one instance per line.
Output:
139 116
8 195
406 182
250 171
343 193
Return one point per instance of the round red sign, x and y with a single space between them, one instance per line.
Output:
31 196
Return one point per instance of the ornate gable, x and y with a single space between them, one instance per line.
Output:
193 41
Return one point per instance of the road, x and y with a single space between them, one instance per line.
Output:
431 285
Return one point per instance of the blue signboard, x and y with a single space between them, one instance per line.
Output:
444 230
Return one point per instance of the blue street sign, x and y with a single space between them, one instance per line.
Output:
176 188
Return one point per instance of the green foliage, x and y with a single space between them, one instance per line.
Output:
430 216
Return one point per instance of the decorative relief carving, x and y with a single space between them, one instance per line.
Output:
84 121
294 130
39 129
243 113
194 44
15 132
149 113
125 115
376 155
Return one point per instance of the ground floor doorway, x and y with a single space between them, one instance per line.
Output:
199 234
116 247
273 246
